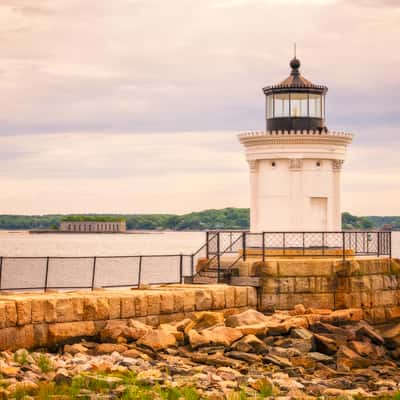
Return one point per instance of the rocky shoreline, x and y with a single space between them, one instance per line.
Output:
299 354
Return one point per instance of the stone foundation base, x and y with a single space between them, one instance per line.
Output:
32 320
372 284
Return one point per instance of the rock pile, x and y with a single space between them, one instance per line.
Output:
300 354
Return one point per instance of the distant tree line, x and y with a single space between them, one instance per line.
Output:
91 218
227 218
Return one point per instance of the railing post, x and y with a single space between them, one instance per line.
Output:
218 258
94 271
181 268
263 246
284 243
244 245
379 243
344 245
355 243
192 265
390 245
47 273
207 244
140 271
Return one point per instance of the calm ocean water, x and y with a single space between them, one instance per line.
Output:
25 244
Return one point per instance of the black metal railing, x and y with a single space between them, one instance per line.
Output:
264 245
44 273
213 258
73 273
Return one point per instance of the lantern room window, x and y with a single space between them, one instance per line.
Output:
281 105
270 106
299 105
315 106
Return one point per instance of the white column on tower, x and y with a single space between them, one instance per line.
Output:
253 166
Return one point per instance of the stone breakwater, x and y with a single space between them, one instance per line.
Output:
372 284
298 354
32 320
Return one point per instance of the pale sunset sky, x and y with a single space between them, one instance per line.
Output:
134 106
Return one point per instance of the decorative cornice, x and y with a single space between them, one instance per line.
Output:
295 137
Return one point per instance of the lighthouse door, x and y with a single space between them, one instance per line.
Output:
318 215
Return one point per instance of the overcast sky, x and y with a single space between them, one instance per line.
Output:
135 105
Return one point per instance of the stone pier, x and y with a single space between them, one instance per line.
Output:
371 284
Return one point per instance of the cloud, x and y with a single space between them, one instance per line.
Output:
75 74
160 172
134 173
374 3
155 66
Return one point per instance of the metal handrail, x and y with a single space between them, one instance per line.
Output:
221 253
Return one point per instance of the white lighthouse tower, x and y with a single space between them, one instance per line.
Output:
295 165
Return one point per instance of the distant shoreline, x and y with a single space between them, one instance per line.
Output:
214 219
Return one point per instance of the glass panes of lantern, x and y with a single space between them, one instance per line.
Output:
270 106
281 105
299 104
315 106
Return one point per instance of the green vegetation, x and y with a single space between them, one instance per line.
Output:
92 218
90 386
87 387
227 218
44 363
352 222
21 357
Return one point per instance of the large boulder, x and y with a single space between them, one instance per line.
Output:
249 317
325 345
203 320
196 339
250 344
219 336
364 349
301 333
109 348
303 345
391 336
119 331
366 330
75 348
157 339
279 327
171 328
65 332
348 359
255 329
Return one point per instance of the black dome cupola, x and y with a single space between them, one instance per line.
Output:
295 103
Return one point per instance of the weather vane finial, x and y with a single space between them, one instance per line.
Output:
295 50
